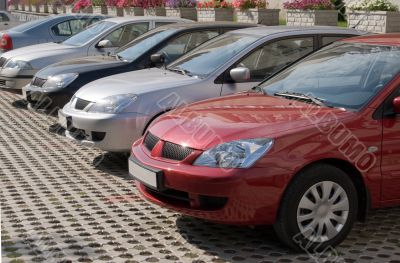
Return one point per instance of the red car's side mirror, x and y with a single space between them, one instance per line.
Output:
396 105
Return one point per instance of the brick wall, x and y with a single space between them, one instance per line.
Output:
269 17
378 22
217 14
312 18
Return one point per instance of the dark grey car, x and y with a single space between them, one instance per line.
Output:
50 29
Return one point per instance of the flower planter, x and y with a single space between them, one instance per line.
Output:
214 14
87 10
133 11
115 11
56 9
69 9
43 8
377 21
35 8
21 7
100 10
268 17
155 11
188 13
311 18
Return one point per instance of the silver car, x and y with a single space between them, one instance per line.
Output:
20 65
8 21
112 112
50 29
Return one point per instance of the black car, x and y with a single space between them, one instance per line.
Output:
53 86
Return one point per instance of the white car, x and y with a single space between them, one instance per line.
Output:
20 65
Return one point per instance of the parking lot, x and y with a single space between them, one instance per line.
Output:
65 203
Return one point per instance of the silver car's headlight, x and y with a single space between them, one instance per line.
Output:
235 154
18 64
113 104
60 81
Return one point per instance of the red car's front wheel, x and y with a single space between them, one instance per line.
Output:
318 209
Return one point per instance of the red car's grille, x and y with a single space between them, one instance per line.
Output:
175 152
150 141
170 150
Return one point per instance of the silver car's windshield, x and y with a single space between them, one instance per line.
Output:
28 25
89 33
144 44
209 57
345 75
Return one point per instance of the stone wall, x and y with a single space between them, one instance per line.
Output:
27 16
378 22
312 18
214 14
269 17
188 13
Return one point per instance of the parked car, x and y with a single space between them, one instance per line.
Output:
8 21
54 85
112 112
309 150
49 29
19 66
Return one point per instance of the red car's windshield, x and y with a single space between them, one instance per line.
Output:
346 75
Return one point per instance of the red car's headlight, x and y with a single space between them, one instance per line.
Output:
235 154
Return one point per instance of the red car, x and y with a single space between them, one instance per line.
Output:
308 151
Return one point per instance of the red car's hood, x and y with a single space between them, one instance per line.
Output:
248 115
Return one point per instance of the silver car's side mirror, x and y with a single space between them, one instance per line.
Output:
240 74
104 43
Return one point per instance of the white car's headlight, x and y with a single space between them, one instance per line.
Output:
60 81
235 154
18 64
113 104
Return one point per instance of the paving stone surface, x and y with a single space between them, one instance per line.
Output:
62 202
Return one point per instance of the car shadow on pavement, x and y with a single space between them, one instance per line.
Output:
232 243
20 104
379 236
115 164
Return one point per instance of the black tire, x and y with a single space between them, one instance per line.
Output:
286 226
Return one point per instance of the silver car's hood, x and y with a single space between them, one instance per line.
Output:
45 54
136 82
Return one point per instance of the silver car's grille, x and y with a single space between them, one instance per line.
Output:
38 82
150 141
175 152
2 82
2 61
81 104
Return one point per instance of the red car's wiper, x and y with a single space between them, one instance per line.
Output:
301 96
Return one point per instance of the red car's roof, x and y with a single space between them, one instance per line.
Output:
384 39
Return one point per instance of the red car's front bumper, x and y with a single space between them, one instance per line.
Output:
234 196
